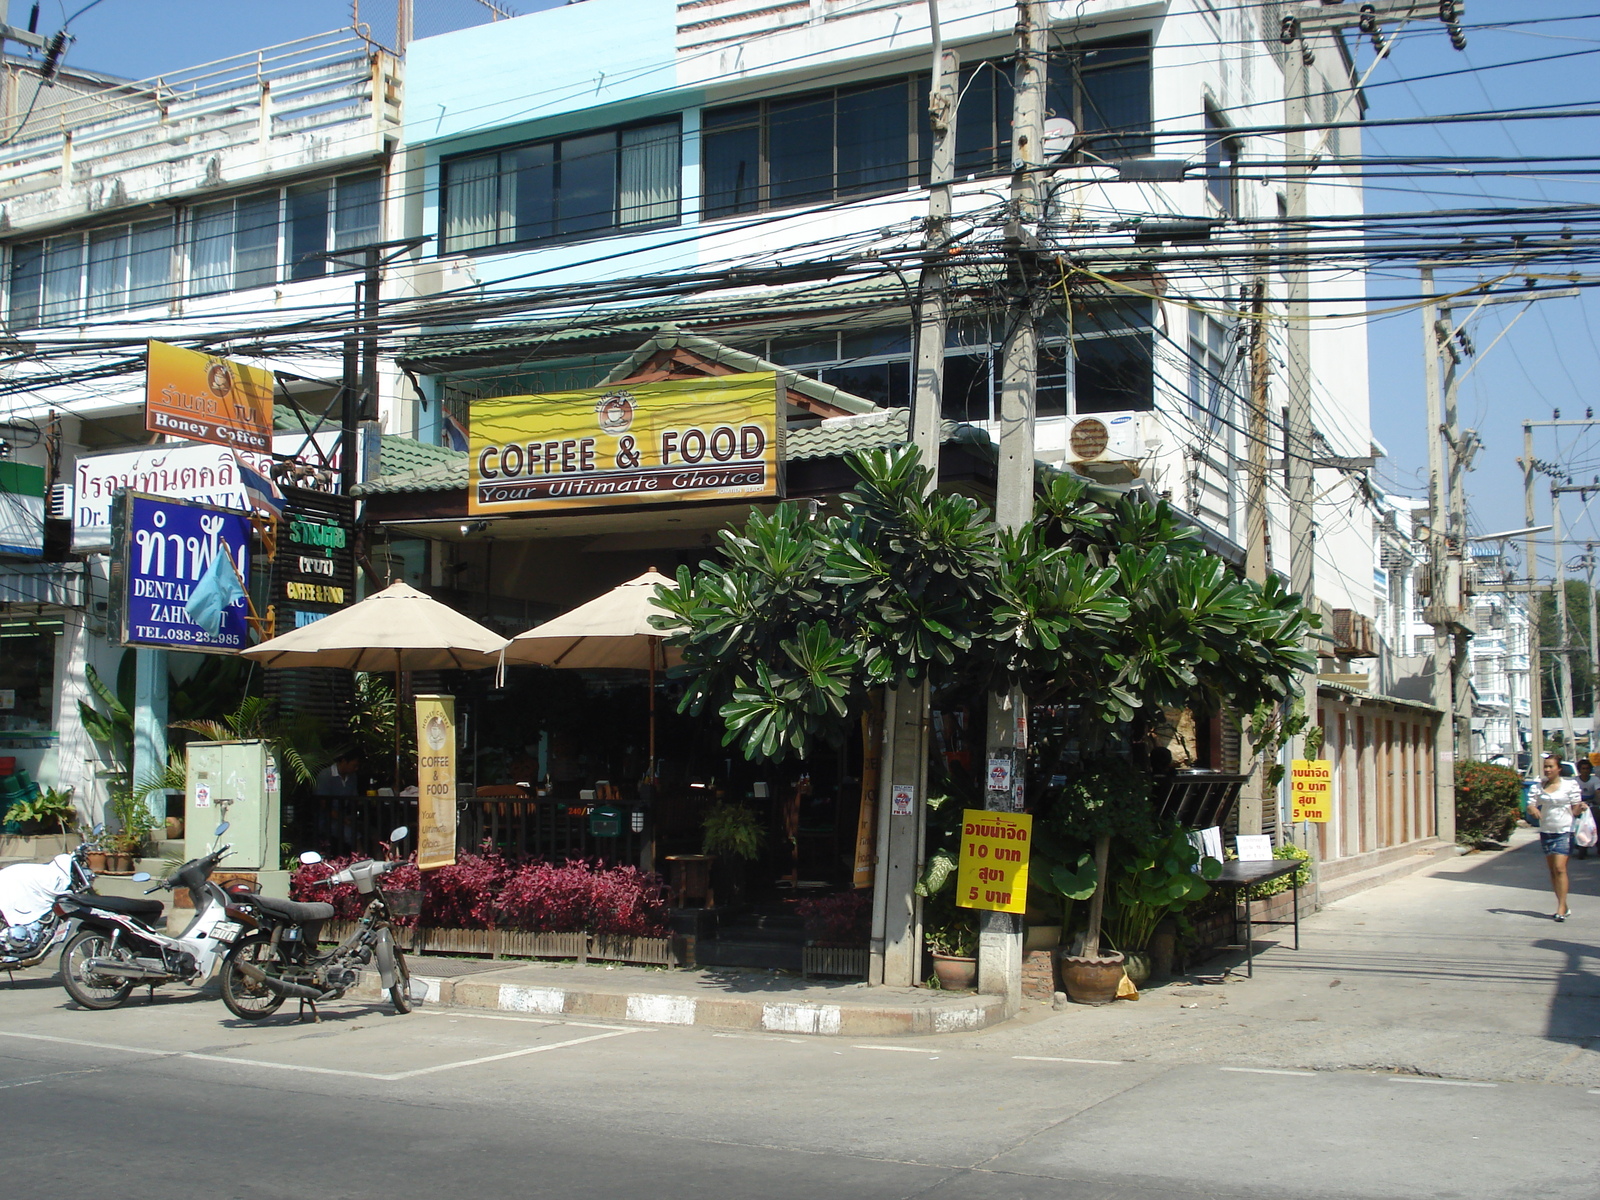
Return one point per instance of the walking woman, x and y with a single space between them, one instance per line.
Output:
1556 802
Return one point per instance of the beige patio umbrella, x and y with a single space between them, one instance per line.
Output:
612 630
398 629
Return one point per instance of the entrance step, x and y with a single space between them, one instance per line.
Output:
739 952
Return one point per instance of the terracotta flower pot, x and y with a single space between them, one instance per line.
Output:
1091 980
174 828
955 974
97 861
120 864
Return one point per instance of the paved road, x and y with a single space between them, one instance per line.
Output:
175 1099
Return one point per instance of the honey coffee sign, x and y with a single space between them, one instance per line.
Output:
675 440
206 398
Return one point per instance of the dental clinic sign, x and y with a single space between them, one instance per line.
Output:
166 553
675 440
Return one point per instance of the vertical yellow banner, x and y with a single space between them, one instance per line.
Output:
436 781
992 870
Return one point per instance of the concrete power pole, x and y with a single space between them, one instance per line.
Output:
1000 936
1299 27
1535 670
896 945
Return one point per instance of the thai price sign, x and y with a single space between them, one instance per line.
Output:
992 871
436 782
206 398
182 570
1310 789
705 438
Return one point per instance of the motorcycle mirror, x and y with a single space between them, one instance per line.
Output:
400 834
221 829
140 877
310 856
98 829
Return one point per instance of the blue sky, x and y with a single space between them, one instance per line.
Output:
1550 359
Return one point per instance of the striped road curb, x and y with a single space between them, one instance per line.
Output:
957 1014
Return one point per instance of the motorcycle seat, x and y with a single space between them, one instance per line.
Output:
128 906
290 910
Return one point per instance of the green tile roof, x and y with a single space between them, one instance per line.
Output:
402 455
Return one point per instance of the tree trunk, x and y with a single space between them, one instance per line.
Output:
1097 903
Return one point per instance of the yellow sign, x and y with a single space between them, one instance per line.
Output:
706 438
993 868
436 781
208 399
1310 789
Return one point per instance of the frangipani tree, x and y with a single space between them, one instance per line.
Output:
1107 604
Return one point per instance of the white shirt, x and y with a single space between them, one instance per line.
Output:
1555 808
27 890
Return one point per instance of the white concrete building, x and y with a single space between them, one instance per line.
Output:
204 208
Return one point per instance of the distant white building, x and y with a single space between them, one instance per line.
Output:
1498 654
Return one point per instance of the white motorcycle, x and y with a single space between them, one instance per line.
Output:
116 947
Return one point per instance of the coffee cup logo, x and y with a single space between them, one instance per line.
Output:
219 379
615 412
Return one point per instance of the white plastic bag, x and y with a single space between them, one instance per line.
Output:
1584 832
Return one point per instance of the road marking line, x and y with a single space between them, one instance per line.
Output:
896 1049
228 1060
1439 1082
1267 1071
1096 1062
1594 1091
473 1062
482 1016
761 1037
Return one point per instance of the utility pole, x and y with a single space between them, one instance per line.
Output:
1000 936
1594 654
1564 645
896 943
1299 27
1531 466
1535 670
1256 564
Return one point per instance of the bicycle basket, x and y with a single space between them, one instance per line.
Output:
404 902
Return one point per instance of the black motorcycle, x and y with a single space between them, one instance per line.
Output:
280 958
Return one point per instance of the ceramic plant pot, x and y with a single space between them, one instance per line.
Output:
1091 980
955 974
97 861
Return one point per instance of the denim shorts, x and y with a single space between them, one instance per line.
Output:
1556 843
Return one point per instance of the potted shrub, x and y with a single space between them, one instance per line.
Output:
953 944
733 834
1156 876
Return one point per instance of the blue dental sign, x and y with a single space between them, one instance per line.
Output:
168 547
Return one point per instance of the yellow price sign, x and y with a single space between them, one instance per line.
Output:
1310 789
992 872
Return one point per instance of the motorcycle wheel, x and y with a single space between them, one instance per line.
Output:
83 985
400 993
245 998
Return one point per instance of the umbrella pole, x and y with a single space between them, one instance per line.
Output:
650 769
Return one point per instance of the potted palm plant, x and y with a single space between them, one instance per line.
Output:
953 945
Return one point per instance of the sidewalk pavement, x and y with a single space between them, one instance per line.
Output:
722 998
1457 971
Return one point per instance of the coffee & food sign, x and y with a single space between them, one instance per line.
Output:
676 440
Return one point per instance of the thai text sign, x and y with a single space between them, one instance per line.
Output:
706 438
207 399
992 872
1310 789
436 781
205 474
167 549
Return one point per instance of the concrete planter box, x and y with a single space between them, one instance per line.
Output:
39 848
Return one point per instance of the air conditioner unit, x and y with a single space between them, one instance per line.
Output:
1106 446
